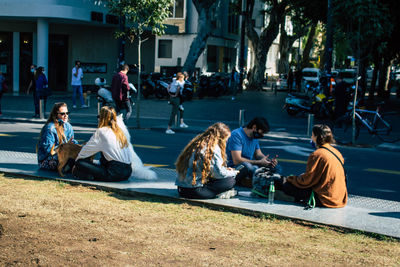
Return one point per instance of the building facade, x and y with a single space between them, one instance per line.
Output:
56 33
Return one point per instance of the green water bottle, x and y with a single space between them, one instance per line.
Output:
271 193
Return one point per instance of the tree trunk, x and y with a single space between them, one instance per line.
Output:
138 89
383 77
285 44
309 44
203 32
372 89
262 45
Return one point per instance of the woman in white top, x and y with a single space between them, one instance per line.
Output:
174 90
116 158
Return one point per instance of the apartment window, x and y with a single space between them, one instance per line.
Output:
176 9
164 48
233 19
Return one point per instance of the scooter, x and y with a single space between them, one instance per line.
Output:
104 95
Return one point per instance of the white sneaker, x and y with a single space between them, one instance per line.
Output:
183 125
84 106
228 194
74 106
169 131
181 107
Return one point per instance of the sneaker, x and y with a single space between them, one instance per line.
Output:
74 106
84 106
183 125
181 107
169 131
228 194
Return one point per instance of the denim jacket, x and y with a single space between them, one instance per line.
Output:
49 138
217 170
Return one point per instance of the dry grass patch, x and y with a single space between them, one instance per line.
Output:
51 223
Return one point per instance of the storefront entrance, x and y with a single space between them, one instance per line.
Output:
58 62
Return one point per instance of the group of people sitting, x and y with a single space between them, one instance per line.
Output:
211 164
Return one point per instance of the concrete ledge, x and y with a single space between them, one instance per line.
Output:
364 214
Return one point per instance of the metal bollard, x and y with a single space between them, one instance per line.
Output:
41 111
310 123
241 117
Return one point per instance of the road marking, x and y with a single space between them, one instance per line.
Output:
382 171
155 165
7 135
293 161
298 150
146 146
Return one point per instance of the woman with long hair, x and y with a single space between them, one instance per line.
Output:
41 88
324 177
111 142
56 131
201 166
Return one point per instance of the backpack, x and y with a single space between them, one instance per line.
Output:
262 179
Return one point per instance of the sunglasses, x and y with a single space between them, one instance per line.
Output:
63 113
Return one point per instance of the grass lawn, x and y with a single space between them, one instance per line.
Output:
50 223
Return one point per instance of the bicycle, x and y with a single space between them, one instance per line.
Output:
373 121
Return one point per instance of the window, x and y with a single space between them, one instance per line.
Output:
177 9
233 19
164 48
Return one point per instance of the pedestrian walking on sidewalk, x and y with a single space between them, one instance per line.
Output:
174 90
56 131
120 92
42 89
32 86
201 166
76 83
2 88
112 143
325 175
234 82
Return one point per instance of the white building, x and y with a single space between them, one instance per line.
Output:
55 33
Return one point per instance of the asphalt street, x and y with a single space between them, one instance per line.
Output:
371 172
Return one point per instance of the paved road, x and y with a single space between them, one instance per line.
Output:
372 173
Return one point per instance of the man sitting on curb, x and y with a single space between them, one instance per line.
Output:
244 153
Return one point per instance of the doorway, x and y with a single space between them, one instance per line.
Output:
58 62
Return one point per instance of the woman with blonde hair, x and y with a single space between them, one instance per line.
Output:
116 158
57 130
201 166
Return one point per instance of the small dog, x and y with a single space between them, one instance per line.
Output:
65 151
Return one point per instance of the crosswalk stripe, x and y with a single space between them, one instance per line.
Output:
7 135
292 161
155 165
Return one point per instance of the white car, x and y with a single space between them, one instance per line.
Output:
311 75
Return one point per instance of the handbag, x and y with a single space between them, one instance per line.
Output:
262 179
45 92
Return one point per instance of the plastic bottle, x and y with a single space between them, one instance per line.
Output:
271 193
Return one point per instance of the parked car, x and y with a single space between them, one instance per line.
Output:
349 76
281 82
311 75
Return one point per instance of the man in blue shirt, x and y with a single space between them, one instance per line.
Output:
244 153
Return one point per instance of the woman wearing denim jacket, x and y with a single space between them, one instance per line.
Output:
201 167
56 131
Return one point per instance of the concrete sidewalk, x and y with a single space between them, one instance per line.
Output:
362 213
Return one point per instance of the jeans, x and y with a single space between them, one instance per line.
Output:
107 171
210 190
124 105
77 89
175 107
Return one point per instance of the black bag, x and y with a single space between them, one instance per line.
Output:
262 179
45 92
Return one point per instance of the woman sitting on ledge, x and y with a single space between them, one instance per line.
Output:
201 166
56 131
324 174
116 158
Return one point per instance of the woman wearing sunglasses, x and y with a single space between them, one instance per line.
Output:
56 131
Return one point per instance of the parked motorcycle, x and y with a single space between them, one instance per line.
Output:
148 85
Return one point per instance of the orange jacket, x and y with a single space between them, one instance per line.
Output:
325 175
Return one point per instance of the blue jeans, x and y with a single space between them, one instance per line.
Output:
77 89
